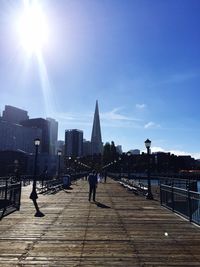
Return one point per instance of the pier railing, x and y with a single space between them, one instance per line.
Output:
181 200
179 195
10 195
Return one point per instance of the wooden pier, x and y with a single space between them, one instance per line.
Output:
121 229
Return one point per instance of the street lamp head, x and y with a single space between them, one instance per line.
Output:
128 153
59 153
147 143
37 142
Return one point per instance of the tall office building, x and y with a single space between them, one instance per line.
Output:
73 143
86 148
60 146
119 149
53 135
96 141
14 115
44 126
135 151
16 137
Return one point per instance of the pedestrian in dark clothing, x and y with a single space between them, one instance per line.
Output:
92 180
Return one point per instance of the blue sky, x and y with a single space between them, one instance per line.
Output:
139 58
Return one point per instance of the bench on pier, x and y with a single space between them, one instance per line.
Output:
142 190
51 185
136 188
129 187
56 185
132 189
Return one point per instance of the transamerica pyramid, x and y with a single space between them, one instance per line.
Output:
96 142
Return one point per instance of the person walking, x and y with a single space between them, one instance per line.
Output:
92 180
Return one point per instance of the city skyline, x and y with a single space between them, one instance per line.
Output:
140 59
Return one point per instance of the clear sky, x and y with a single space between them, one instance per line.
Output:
139 58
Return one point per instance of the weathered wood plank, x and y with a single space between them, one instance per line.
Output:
121 230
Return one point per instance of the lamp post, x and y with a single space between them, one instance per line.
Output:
120 171
75 166
68 164
33 195
149 194
129 155
59 155
16 170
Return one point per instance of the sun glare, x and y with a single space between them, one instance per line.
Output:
32 28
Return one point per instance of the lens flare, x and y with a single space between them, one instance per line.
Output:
32 27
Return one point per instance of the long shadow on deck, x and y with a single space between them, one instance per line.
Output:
101 205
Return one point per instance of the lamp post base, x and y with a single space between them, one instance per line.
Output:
33 197
39 214
149 196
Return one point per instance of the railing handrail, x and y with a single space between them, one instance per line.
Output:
181 200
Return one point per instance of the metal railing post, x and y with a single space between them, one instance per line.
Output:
172 185
6 191
161 197
20 191
189 201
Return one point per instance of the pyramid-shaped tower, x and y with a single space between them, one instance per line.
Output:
96 142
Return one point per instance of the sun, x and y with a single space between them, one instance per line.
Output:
32 28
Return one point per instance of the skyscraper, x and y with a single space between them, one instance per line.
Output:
44 126
73 143
96 141
14 115
16 137
53 135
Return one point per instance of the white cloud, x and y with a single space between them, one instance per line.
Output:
68 116
185 153
196 155
111 118
177 78
115 115
151 124
176 152
140 106
181 77
157 149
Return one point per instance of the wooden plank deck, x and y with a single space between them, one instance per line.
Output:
121 230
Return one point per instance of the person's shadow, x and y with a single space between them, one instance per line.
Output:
101 205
